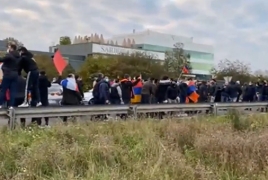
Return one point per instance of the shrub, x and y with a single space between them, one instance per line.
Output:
167 149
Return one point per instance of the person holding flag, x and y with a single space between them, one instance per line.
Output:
185 69
191 92
28 64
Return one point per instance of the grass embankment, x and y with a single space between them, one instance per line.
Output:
211 148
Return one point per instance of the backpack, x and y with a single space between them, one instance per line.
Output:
114 93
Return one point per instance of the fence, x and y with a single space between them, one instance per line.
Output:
133 110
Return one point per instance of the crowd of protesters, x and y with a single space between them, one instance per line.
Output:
167 90
15 88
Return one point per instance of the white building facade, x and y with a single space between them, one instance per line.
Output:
202 56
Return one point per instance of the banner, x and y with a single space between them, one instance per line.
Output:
59 62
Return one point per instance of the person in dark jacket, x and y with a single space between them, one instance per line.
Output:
104 91
161 91
224 94
70 94
172 92
44 84
259 86
212 90
183 89
116 93
126 87
233 90
249 93
264 92
28 64
203 92
10 68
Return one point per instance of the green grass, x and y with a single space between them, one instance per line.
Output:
228 148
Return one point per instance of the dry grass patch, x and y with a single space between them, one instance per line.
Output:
203 148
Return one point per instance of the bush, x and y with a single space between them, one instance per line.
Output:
147 149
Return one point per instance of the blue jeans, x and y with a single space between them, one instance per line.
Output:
264 97
224 99
182 99
9 83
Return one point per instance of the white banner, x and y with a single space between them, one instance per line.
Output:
115 50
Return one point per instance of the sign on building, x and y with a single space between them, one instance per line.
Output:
115 50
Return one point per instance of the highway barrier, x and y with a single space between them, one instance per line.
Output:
133 110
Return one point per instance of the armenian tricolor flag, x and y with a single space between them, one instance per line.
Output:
137 93
192 94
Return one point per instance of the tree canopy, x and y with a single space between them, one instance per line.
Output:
65 40
175 61
238 70
13 40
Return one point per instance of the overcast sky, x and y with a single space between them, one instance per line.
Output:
237 29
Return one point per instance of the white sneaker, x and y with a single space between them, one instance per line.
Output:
24 105
38 104
10 107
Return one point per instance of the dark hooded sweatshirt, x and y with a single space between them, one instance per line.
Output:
27 63
10 65
161 91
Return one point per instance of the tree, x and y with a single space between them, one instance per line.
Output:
13 40
175 60
237 69
65 40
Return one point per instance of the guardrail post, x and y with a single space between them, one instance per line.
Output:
12 119
215 109
135 113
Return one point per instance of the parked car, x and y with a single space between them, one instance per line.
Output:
88 97
55 95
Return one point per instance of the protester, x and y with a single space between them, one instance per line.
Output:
79 85
173 93
116 93
264 91
70 94
137 85
183 88
28 64
44 84
249 93
161 91
104 91
232 91
147 91
127 88
203 92
10 70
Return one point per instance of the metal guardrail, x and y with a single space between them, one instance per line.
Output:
211 108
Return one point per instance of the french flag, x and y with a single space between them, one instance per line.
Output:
69 83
